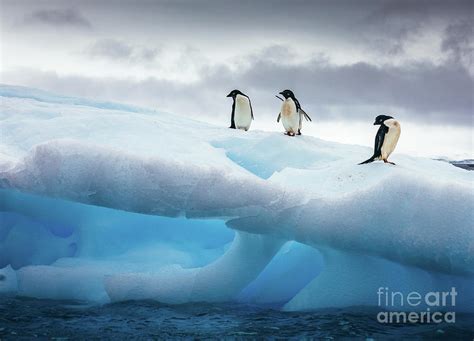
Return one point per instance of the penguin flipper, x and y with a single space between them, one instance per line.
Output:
379 138
251 109
306 116
278 118
232 122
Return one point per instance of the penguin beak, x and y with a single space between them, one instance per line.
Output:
229 95
281 93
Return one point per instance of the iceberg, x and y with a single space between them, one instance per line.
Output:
106 202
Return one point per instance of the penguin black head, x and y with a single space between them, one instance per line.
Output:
234 93
287 94
380 119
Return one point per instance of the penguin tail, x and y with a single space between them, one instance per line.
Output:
372 159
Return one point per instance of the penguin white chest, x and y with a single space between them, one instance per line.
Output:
289 116
242 113
391 137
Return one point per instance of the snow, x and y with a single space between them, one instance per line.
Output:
108 202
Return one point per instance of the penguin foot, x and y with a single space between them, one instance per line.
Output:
386 161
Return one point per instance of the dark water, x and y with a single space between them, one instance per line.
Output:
31 318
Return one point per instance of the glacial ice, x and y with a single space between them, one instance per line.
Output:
108 202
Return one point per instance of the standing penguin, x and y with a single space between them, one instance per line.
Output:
386 138
291 113
242 112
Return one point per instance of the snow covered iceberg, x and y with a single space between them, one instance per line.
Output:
106 202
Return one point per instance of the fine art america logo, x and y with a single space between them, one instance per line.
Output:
416 307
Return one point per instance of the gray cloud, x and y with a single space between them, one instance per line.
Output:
118 50
110 48
59 17
459 42
389 26
420 9
427 92
423 92
382 26
147 54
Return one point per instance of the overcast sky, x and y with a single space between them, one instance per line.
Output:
346 61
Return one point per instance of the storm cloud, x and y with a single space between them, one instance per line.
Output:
345 60
58 17
423 92
114 49
459 42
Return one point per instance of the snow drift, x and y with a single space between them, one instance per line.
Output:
101 202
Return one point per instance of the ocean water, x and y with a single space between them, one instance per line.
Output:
32 318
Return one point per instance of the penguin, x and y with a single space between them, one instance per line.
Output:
386 138
242 112
291 113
